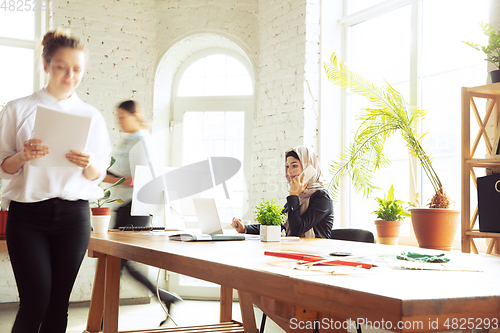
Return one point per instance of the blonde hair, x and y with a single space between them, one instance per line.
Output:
54 40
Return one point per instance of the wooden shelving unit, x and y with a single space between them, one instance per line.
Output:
487 124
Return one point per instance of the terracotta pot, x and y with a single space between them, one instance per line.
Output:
435 228
101 211
3 221
388 231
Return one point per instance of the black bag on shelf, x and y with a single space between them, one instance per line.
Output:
488 201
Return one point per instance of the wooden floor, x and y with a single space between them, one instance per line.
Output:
149 316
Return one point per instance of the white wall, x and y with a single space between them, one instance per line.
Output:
121 40
288 65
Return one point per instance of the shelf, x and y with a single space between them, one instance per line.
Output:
489 89
479 234
484 162
487 121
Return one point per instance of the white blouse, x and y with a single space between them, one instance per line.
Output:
32 184
134 150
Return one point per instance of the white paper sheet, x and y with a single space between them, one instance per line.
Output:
61 132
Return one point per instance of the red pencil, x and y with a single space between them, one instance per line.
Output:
313 258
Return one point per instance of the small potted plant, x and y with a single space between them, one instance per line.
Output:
390 215
101 215
269 215
492 50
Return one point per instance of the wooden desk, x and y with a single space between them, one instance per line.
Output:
380 293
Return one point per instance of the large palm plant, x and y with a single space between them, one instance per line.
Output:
390 115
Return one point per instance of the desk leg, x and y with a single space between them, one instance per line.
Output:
226 304
112 295
97 301
247 314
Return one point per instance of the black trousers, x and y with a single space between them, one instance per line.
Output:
47 241
123 219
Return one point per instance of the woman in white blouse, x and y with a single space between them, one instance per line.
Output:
132 151
48 225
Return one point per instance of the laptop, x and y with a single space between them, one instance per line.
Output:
210 227
208 217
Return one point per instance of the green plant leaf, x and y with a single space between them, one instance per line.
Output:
107 193
269 212
106 196
113 160
112 200
389 115
491 50
390 194
118 182
391 209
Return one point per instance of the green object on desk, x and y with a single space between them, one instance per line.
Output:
411 256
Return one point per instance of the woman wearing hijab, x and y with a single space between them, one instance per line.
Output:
309 211
309 208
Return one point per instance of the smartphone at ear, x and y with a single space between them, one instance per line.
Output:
309 172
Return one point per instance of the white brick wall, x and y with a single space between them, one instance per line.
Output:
289 56
121 40
235 19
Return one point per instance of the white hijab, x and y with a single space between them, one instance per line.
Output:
307 157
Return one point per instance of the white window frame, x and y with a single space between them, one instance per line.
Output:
206 104
415 172
351 20
41 24
212 103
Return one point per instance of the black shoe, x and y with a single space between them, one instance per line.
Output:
169 298
163 321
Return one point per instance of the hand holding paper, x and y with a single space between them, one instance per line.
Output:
80 158
65 134
33 149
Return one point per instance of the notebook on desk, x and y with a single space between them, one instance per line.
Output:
210 226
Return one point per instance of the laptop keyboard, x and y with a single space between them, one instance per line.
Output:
140 228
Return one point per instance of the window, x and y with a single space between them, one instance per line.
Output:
215 75
217 133
20 73
213 106
415 46
20 33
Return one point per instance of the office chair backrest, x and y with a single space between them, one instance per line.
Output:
355 235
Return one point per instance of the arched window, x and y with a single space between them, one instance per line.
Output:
215 75
213 105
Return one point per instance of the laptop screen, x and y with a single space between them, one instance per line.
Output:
208 218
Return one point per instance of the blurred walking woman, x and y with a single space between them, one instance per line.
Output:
48 225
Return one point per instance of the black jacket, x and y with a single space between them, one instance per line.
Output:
319 216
